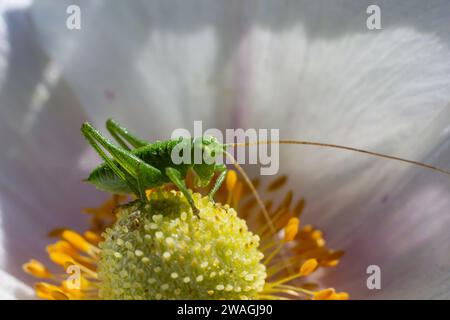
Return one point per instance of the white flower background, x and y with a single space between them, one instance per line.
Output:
310 68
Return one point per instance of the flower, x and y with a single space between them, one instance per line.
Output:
311 69
163 251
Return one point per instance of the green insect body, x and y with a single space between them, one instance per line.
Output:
150 165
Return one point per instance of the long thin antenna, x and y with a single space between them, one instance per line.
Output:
255 193
337 146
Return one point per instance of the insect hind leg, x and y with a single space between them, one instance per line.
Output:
137 173
118 132
86 129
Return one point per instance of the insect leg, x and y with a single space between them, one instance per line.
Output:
223 172
129 163
141 177
117 171
119 132
175 176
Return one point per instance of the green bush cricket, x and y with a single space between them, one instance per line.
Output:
150 165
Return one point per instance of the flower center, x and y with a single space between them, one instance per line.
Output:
161 250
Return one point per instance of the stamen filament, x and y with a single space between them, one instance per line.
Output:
268 246
271 297
274 253
279 266
299 289
284 280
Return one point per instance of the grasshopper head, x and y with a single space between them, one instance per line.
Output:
211 148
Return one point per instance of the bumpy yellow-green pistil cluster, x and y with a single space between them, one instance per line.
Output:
161 250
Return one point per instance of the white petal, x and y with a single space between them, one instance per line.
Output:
385 91
134 62
309 68
405 233
14 289
40 172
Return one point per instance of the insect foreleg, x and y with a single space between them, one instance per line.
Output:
119 132
175 176
223 172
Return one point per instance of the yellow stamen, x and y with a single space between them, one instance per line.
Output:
308 267
60 258
298 209
58 295
44 290
107 208
286 203
277 183
36 269
62 247
291 229
325 294
78 242
341 296
92 237
56 232
231 180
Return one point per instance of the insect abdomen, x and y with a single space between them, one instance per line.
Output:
103 178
